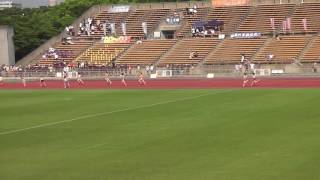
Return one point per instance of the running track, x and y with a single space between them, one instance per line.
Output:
174 84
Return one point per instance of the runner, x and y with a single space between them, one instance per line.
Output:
254 79
106 77
245 79
1 81
246 66
141 80
42 83
66 80
23 80
79 79
123 79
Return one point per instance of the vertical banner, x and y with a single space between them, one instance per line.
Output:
113 28
124 29
272 23
284 26
288 20
219 3
104 26
304 23
144 28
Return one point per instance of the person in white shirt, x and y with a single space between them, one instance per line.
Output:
123 81
106 78
1 81
79 79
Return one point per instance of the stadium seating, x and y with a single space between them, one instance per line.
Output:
285 50
147 52
230 50
259 18
74 49
180 53
102 53
189 20
151 17
116 18
310 11
231 16
312 54
210 50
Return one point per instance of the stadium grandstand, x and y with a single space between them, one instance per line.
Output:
177 90
197 35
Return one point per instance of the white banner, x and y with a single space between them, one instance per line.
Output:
124 29
272 23
304 23
262 72
113 28
144 28
164 73
118 9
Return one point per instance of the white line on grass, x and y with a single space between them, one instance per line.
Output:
110 112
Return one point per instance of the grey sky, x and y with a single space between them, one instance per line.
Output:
32 3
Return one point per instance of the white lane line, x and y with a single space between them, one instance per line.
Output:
110 112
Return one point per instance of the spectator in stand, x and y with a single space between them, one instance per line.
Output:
70 30
270 57
69 40
242 58
193 54
314 67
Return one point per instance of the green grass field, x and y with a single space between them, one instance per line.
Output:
271 134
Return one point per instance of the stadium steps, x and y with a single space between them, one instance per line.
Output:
134 23
311 53
260 48
230 50
33 56
116 18
214 50
181 52
231 16
251 9
259 18
164 54
148 52
154 19
307 46
189 20
311 12
76 49
285 50
102 53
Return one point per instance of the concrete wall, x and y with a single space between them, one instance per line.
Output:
6 45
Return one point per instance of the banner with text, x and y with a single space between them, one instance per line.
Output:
121 39
218 3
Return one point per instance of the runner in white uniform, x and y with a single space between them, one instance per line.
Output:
42 83
23 81
141 80
79 79
123 81
106 77
66 80
1 81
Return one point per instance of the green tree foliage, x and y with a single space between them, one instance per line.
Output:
35 26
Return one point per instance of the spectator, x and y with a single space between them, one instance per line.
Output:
314 67
270 57
193 54
242 58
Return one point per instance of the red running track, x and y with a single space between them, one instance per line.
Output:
174 84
